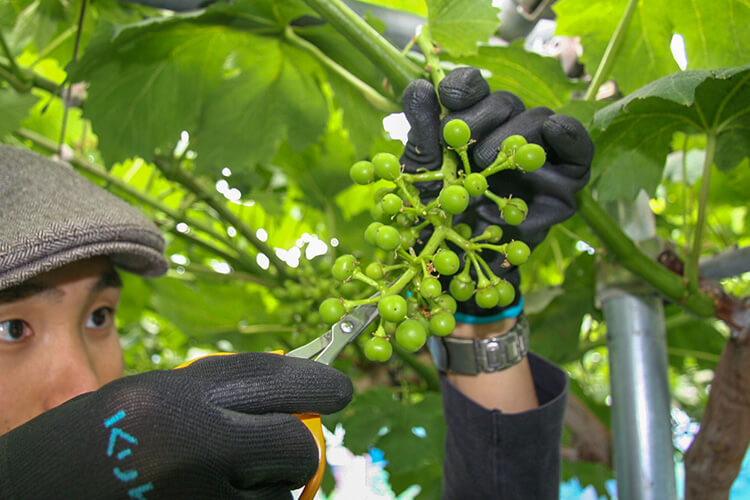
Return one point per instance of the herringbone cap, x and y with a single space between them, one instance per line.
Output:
50 216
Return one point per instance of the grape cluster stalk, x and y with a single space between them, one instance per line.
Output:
411 301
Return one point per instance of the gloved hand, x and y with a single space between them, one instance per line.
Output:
492 117
218 428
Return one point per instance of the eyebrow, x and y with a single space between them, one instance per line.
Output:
108 279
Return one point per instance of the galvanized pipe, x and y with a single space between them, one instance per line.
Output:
644 465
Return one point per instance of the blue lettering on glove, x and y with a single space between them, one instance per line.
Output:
125 476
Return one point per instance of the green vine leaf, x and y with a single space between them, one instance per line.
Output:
457 26
13 109
537 80
633 135
223 75
714 34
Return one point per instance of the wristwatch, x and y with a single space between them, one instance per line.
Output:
474 356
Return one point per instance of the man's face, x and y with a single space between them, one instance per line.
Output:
57 339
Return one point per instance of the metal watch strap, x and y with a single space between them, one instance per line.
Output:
474 356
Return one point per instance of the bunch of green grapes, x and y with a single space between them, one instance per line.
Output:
411 301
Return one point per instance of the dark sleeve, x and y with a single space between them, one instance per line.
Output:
489 454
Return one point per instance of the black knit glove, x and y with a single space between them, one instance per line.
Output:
219 428
492 117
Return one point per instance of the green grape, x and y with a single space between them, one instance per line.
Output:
494 233
446 262
442 324
454 199
386 166
350 289
314 318
380 194
464 230
387 238
389 327
456 133
475 184
519 204
430 288
409 237
404 220
362 172
371 231
512 215
506 293
517 252
446 303
511 143
412 305
374 270
530 157
486 298
331 310
392 308
379 214
344 267
392 204
378 349
411 335
461 290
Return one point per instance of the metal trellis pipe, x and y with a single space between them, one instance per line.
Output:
644 464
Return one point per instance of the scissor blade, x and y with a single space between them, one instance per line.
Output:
328 346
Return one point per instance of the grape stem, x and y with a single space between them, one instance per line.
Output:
359 275
492 277
502 162
464 159
417 204
351 304
432 175
459 240
424 42
497 248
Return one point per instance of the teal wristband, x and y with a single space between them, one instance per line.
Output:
511 312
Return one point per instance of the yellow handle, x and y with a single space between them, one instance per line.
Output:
312 422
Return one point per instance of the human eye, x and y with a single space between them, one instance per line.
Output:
100 318
14 330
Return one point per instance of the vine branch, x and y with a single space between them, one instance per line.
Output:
377 100
399 69
691 264
182 177
101 173
630 256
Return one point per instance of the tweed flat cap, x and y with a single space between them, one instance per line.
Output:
50 216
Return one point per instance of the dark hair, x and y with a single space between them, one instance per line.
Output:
110 278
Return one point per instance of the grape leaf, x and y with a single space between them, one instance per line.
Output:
537 80
556 329
207 308
634 134
714 33
223 75
13 108
376 418
457 26
414 6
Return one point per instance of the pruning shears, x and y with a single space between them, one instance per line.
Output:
325 349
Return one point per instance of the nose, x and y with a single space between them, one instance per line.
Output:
71 371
